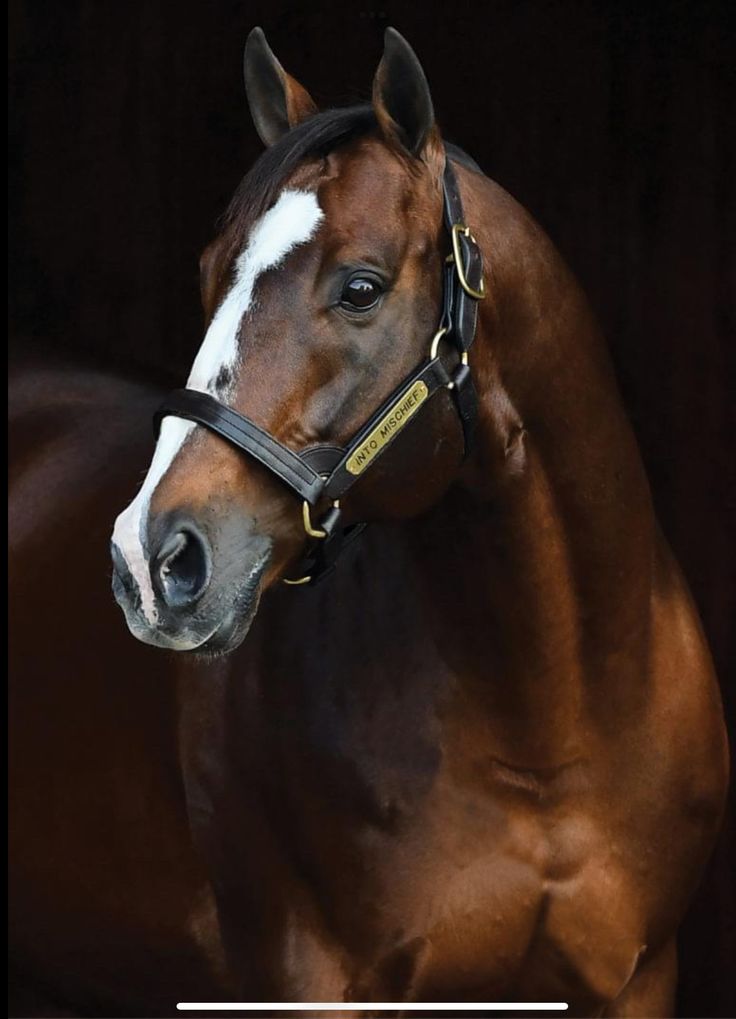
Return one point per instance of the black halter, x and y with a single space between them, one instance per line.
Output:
330 471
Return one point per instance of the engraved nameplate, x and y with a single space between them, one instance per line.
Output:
390 424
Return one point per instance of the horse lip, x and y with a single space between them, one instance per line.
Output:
240 617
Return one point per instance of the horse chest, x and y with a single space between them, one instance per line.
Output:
533 902
484 895
410 880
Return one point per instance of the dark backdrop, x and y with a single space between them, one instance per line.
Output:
609 121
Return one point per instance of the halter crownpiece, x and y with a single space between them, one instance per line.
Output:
330 471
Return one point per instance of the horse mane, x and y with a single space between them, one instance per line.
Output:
315 137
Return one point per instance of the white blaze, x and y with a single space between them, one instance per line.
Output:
290 222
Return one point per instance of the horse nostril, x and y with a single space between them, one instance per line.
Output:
181 568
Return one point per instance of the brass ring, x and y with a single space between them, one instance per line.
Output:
296 583
314 532
436 342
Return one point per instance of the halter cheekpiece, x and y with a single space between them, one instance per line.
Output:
328 471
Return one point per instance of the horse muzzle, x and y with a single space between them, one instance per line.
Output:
191 587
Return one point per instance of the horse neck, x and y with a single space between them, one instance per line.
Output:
537 564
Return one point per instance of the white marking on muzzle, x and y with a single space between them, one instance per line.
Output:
290 222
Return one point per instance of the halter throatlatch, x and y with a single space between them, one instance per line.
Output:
328 472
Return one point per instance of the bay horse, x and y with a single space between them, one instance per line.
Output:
103 874
484 758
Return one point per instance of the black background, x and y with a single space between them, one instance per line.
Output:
612 122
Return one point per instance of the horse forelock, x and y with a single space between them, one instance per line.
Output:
314 138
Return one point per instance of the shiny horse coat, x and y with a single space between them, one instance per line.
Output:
486 759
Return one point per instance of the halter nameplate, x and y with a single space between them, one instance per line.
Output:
324 472
389 426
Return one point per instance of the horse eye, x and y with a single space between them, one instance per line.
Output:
360 294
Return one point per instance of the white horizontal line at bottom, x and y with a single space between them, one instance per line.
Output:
373 1006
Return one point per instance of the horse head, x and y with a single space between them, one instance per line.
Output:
322 291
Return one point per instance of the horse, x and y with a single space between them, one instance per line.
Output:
103 875
483 757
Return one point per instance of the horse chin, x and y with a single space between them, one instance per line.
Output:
233 629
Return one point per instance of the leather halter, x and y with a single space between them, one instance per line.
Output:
330 471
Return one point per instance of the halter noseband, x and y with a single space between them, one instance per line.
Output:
330 471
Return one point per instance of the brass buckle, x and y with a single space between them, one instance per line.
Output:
457 229
312 532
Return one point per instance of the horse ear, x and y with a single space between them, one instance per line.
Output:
277 101
401 98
